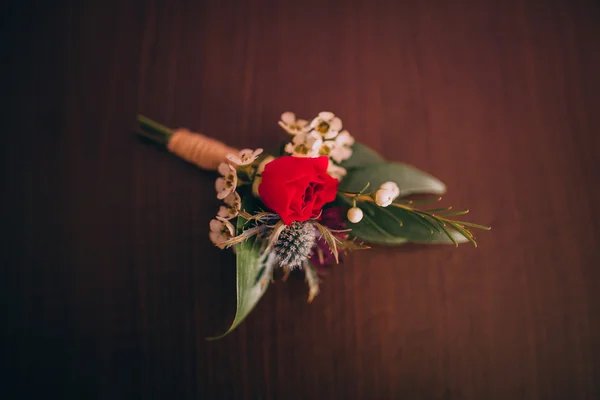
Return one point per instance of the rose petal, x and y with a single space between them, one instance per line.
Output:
288 169
286 187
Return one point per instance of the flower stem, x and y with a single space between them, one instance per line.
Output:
153 130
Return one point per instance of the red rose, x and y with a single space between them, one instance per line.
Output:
297 188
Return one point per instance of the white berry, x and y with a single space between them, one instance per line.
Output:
384 197
392 187
355 214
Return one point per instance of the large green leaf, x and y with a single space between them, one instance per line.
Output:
253 273
393 225
410 180
362 156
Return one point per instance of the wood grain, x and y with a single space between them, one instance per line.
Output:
110 282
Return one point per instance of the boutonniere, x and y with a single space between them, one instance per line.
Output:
321 197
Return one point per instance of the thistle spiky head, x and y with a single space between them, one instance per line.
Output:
294 244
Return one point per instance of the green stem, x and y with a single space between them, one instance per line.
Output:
153 130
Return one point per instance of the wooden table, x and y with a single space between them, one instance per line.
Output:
111 284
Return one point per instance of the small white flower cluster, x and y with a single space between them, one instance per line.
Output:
384 196
323 136
221 229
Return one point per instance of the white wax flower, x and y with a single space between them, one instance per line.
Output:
226 184
245 156
221 230
305 145
326 124
341 147
336 171
232 208
263 164
292 125
258 176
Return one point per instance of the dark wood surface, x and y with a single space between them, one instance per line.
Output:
110 281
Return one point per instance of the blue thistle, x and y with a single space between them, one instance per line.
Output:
294 245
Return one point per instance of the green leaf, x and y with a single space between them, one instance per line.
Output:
393 225
410 180
253 273
362 156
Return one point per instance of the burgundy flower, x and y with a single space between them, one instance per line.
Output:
332 218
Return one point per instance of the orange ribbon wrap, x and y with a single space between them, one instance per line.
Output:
203 151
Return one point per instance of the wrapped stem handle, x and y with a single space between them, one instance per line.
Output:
205 152
196 148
